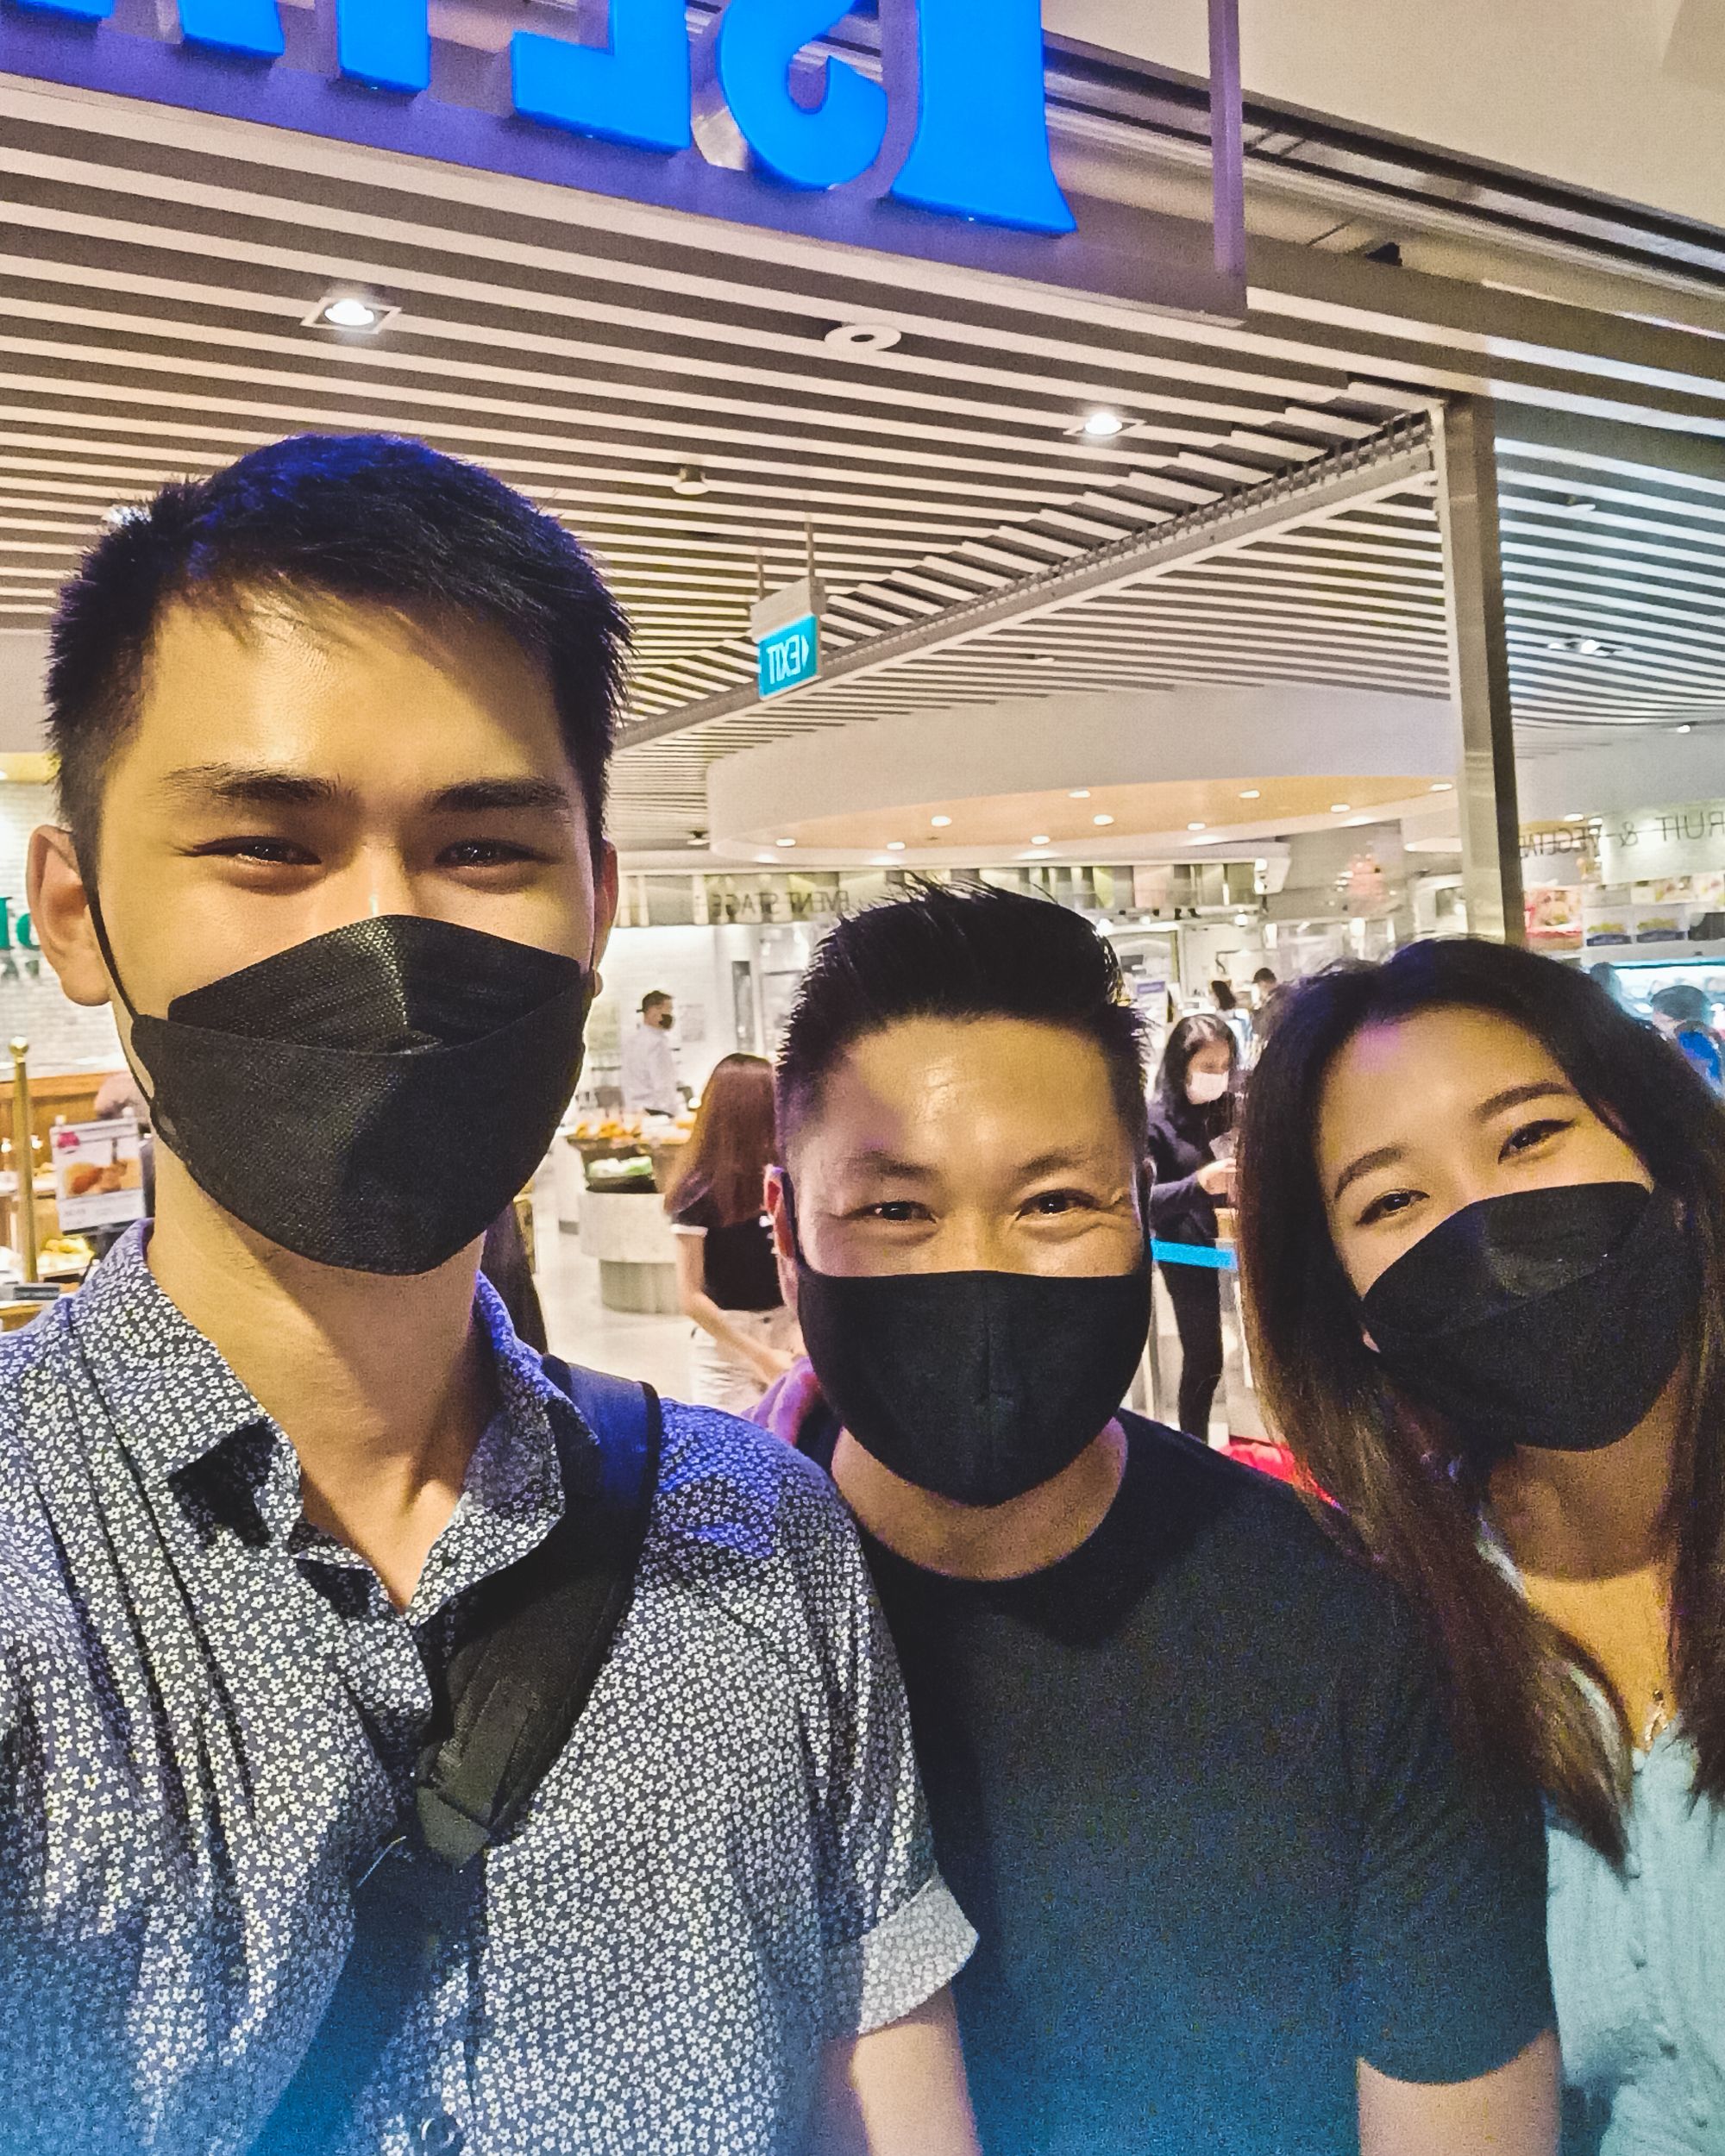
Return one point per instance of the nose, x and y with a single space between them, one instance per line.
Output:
973 1242
376 880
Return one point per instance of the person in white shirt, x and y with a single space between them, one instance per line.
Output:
649 1062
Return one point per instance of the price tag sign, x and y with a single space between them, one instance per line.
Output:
98 1173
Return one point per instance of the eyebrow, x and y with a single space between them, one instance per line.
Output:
261 786
1511 1097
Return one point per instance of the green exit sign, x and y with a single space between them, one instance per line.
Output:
790 655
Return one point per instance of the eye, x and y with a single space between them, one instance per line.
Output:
271 852
1047 1204
895 1212
1525 1137
1387 1206
487 853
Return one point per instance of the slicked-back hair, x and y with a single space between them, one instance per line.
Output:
963 951
367 519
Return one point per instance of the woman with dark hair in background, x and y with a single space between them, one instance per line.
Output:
727 1277
1192 1107
1483 1240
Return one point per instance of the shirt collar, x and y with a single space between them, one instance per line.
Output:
175 1400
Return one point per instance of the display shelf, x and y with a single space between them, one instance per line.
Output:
1676 953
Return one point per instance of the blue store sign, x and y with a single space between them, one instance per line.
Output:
942 152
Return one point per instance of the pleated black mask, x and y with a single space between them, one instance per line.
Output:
1550 1318
373 1098
978 1385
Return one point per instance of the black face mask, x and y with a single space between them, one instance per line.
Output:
977 1385
372 1098
1551 1317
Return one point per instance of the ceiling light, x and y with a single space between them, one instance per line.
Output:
1038 838
1444 786
1682 730
766 859
940 822
691 479
350 310
882 861
1213 840
123 513
1079 794
1252 793
863 337
1102 425
785 842
1101 819
1041 658
1260 866
1340 808
1576 816
695 842
1354 822
1197 827
1581 504
895 845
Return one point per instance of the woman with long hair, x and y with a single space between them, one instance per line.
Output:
1192 1107
1483 1231
727 1279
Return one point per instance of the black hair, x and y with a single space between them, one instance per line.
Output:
1265 972
961 952
654 997
1203 1029
1222 996
1518 1688
369 518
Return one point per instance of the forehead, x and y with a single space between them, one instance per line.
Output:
928 1087
1408 1080
305 681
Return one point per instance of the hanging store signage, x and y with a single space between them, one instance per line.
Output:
1651 844
786 627
781 114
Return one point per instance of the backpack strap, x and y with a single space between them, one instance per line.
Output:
506 1705
514 1690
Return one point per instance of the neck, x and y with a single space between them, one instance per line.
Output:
983 1542
1592 1516
380 1384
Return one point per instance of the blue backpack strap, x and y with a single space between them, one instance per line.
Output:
624 1417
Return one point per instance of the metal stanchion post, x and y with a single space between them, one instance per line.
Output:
23 1163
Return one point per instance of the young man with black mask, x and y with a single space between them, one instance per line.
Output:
1184 1759
332 727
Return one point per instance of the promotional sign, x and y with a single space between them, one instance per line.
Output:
929 139
98 1174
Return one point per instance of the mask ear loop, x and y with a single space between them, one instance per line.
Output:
131 1009
790 1196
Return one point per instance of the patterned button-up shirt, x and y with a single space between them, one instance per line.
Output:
209 1710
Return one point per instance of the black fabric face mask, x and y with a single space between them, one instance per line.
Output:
1552 1318
373 1098
977 1385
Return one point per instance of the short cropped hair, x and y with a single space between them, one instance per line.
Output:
962 952
367 518
654 998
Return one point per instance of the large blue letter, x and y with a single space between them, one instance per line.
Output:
80 11
233 26
981 140
813 125
385 42
633 88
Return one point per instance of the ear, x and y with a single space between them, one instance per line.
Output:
605 903
784 1236
60 913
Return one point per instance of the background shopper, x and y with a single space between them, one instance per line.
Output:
649 1062
1192 1109
1484 1229
727 1278
1237 1022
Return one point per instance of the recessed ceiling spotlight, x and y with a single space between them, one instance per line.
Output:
1101 819
1041 658
765 860
350 310
123 513
1354 822
1039 838
1583 505
1685 729
940 822
1211 841
1576 816
1197 827
1252 793
1443 785
1079 794
863 337
1102 425
895 845
785 842
691 479
1340 808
